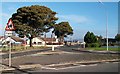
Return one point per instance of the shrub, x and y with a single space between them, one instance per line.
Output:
93 45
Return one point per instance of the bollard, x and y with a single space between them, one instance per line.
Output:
53 48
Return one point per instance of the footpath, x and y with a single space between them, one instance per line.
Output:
96 51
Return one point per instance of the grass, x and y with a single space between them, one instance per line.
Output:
104 49
20 48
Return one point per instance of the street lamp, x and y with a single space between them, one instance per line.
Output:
106 22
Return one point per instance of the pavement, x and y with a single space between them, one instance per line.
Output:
60 58
95 51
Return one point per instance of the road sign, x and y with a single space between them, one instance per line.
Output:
10 29
10 32
10 26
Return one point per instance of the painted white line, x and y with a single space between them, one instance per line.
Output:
7 69
69 67
115 62
93 65
30 66
44 67
76 66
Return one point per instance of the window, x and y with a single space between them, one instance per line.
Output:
34 42
39 43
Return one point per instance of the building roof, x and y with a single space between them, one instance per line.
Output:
17 39
1 37
49 39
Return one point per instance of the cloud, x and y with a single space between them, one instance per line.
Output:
74 18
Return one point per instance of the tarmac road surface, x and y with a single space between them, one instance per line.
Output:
104 67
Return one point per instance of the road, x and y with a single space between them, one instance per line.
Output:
62 55
29 52
104 67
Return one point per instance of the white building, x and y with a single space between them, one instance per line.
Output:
38 41
12 39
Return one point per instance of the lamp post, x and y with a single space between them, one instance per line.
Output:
106 22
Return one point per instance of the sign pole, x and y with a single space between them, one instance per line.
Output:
10 54
9 32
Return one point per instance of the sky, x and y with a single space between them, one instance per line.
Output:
58 0
82 16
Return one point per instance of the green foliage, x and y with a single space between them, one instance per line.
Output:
34 20
104 49
117 37
92 45
90 38
63 29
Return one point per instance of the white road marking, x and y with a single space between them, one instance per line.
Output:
44 67
74 66
115 62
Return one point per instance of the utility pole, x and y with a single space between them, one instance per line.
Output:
106 22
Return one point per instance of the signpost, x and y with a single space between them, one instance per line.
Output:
10 53
10 31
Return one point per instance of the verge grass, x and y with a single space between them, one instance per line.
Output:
103 49
20 48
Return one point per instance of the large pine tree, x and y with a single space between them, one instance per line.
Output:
33 20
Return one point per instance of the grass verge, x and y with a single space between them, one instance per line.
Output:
20 48
104 49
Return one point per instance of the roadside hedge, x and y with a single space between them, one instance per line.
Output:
93 45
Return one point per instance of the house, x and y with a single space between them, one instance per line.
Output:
111 41
1 39
50 40
13 39
39 41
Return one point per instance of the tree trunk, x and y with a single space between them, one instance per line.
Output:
31 41
45 39
62 39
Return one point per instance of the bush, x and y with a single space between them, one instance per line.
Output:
93 45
